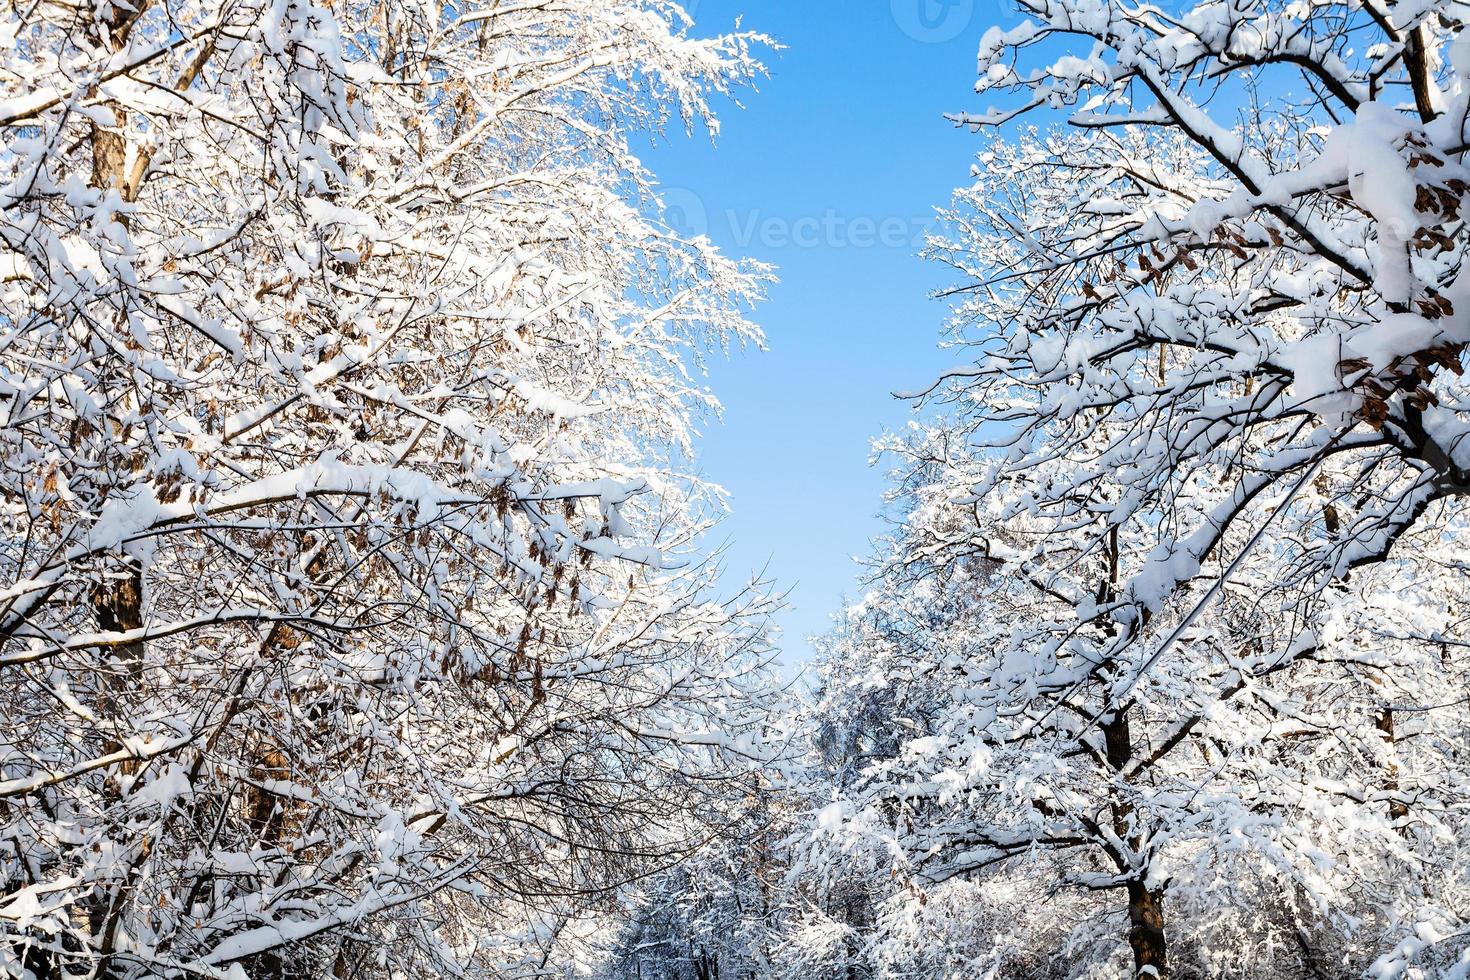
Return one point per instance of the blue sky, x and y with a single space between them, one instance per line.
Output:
830 172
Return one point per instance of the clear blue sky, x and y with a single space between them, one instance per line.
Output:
830 172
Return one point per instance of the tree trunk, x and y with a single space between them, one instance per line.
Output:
1145 905
119 608
117 599
1146 931
1398 811
118 605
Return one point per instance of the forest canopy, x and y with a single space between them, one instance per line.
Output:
360 616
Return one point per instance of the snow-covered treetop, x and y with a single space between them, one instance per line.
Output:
1241 270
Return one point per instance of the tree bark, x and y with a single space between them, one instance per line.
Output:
1145 905
1398 811
117 599
1146 931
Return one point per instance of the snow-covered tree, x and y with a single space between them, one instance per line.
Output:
1249 264
1238 814
716 915
353 621
1216 324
